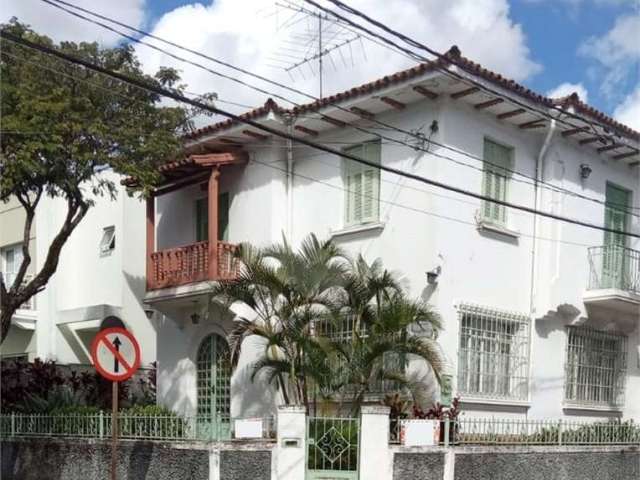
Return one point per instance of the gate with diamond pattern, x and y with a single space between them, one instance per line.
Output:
332 448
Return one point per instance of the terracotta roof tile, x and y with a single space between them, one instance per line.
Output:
452 56
269 106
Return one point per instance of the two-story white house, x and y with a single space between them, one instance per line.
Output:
541 316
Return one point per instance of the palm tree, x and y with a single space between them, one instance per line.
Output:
376 352
285 292
331 327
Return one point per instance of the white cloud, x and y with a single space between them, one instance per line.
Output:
617 52
566 88
628 112
241 33
59 25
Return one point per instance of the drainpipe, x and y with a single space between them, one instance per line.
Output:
289 230
537 203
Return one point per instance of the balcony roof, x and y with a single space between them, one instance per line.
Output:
194 164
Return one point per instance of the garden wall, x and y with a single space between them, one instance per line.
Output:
77 459
548 463
516 463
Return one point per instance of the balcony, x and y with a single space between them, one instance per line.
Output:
190 264
614 280
186 244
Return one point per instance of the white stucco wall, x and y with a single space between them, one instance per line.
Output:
256 214
425 227
88 285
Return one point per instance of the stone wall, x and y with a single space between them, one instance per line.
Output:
77 459
549 464
49 459
418 466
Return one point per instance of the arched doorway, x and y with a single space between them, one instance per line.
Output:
213 388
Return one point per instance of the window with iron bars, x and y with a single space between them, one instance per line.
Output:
595 367
343 331
493 355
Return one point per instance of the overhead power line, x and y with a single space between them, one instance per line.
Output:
273 131
444 58
534 182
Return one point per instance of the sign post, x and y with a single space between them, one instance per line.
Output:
116 356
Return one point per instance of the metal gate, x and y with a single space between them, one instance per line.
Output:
332 448
213 387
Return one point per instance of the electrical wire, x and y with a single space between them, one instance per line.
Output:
198 104
535 182
440 56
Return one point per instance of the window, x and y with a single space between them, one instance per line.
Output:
10 263
595 368
362 182
108 242
202 218
493 355
497 163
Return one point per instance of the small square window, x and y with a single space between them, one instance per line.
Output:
108 242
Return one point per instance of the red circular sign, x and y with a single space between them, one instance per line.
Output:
115 354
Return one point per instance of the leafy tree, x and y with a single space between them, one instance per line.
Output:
63 124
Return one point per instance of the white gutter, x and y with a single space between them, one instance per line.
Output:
289 231
537 203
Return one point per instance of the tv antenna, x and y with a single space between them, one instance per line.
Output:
312 42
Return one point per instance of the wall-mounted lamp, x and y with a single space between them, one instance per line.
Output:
432 275
585 171
195 318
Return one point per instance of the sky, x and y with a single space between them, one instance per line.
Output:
555 47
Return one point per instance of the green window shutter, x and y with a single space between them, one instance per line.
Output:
497 164
202 219
616 213
223 216
362 185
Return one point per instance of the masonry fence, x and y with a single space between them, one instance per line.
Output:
293 446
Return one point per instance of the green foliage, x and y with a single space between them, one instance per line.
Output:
59 398
75 410
148 411
332 328
62 123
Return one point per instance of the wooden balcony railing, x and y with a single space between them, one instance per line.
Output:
190 264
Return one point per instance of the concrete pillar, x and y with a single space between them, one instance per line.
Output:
214 464
291 451
449 464
375 455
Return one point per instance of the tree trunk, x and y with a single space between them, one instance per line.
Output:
5 320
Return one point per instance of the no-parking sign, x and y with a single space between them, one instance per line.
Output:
115 354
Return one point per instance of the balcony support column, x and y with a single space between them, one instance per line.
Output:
151 239
213 223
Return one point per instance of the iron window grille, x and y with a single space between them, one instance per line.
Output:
595 369
493 355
